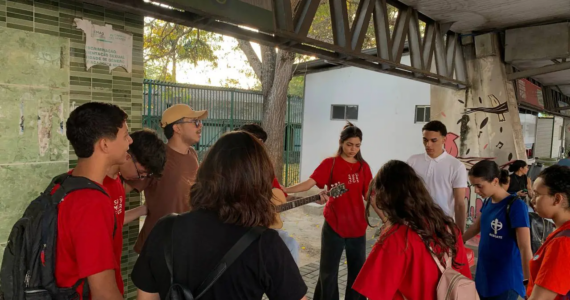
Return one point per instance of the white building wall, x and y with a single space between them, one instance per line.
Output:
386 113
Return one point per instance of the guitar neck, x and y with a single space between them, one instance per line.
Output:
292 204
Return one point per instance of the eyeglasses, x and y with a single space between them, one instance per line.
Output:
140 176
193 121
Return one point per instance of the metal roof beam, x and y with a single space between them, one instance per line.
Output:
539 71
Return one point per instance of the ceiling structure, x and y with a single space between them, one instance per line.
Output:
473 17
468 16
437 59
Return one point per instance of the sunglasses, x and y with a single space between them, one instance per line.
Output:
139 175
193 121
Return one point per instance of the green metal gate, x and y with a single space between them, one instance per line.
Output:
227 110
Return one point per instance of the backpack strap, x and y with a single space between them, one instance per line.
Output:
229 258
511 201
438 263
563 233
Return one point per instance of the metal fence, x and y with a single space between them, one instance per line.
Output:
227 110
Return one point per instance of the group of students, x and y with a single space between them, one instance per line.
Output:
421 203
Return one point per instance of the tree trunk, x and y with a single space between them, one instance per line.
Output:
274 71
275 105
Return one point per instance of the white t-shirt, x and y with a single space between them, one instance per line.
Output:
441 175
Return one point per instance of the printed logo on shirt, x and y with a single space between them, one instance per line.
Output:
118 203
353 178
535 257
496 226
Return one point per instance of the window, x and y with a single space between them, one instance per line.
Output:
344 112
422 114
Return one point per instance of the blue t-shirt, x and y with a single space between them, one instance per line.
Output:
564 162
499 267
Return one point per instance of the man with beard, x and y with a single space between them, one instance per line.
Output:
170 194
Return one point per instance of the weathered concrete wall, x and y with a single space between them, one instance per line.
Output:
32 88
483 121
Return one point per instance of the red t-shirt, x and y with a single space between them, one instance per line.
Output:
276 185
403 265
85 244
345 214
550 265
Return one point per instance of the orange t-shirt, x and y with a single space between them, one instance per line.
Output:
550 265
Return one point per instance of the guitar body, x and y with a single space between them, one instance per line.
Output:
278 199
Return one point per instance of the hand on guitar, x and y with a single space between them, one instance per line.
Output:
324 197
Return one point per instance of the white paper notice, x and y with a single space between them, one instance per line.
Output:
105 46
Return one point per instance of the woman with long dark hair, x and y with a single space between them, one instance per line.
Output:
549 278
231 195
505 249
519 181
401 262
345 222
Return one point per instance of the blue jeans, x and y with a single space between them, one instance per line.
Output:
508 295
291 244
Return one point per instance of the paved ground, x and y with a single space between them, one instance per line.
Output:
310 273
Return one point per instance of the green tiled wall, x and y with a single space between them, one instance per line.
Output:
119 87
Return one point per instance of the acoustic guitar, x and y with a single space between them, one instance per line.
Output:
280 201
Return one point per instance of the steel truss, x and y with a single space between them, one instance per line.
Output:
291 29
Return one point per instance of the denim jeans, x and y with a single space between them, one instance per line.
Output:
332 246
508 295
291 244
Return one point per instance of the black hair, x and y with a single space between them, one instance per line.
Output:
168 131
350 131
504 178
487 170
517 165
149 151
255 130
569 153
435 126
557 179
91 122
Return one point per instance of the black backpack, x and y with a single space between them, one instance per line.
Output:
28 266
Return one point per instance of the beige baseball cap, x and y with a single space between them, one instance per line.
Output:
179 111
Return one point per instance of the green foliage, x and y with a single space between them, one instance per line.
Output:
166 45
297 86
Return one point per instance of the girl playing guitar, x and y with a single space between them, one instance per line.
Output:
345 222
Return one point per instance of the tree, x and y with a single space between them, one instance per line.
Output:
166 45
274 69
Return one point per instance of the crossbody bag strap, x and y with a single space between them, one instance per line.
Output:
330 176
169 248
246 240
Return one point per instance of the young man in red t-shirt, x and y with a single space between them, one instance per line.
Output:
99 135
146 158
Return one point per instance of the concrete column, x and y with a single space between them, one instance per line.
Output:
483 121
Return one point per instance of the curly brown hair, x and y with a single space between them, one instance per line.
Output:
403 197
235 181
